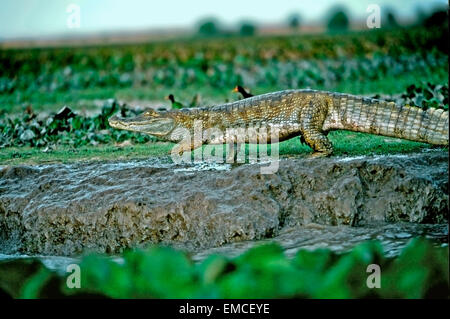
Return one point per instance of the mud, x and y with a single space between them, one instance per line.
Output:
106 207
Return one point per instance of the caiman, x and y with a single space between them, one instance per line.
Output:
309 114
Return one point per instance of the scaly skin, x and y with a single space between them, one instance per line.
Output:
306 113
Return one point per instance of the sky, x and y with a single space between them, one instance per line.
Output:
44 18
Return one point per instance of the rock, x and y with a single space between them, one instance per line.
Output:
107 207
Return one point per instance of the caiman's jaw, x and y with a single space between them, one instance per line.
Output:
150 122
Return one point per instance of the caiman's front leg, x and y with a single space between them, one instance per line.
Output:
312 118
180 148
233 150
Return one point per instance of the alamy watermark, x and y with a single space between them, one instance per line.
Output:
74 279
374 279
74 17
374 18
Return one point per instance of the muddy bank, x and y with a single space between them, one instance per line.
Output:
106 207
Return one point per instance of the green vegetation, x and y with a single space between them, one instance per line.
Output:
427 96
391 20
421 271
91 99
349 62
247 29
67 128
338 20
294 21
209 28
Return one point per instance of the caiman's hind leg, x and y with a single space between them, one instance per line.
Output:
312 118
318 142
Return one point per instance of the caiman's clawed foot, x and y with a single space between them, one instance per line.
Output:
319 154
175 153
230 159
178 150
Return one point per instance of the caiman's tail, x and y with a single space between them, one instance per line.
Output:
374 116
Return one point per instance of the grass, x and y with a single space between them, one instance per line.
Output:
345 143
353 144
67 154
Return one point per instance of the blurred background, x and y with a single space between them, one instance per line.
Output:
137 19
88 55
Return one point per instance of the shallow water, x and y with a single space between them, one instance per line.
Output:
393 238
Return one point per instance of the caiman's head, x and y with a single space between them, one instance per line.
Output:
150 121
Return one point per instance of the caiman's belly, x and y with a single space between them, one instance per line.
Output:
251 135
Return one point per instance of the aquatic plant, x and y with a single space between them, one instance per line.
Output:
420 271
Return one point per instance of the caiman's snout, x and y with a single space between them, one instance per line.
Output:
113 121
119 123
150 123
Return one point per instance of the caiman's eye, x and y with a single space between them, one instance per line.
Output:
150 113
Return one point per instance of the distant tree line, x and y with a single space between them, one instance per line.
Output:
211 27
337 20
